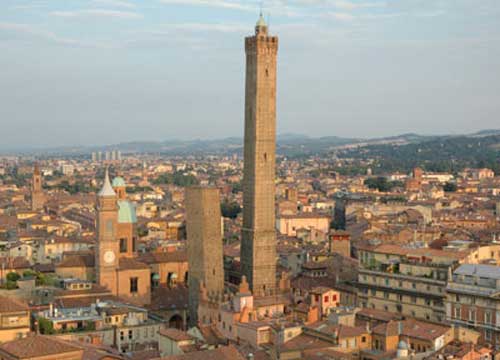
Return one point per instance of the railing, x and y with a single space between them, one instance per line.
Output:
470 289
403 276
474 323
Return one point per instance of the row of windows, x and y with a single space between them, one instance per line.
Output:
124 245
471 315
379 345
399 308
326 298
403 298
402 284
472 300
146 333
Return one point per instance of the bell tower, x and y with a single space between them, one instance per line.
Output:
107 249
37 195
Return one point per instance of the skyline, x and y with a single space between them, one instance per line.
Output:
146 71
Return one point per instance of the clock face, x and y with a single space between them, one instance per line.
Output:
109 257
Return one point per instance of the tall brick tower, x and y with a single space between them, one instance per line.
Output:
37 195
204 246
258 246
107 249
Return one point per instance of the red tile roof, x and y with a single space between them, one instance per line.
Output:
222 353
10 304
37 346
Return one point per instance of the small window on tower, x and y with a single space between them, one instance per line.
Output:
267 72
265 156
109 227
123 245
134 282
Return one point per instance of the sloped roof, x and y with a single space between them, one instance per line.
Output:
107 189
84 260
411 328
37 346
126 212
483 271
222 353
131 264
164 257
10 304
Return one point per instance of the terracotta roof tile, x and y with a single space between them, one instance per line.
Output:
131 264
37 346
222 353
175 334
84 260
164 257
10 304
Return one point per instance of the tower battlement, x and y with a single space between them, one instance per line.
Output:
253 43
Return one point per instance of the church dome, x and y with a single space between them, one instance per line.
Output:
126 212
119 182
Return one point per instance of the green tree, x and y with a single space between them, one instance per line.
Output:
178 178
142 231
11 285
450 187
381 183
29 274
45 325
237 187
13 276
230 209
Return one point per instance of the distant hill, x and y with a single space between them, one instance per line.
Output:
287 144
445 153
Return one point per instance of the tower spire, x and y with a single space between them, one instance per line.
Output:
107 189
261 26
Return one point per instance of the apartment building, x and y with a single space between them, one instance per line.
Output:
411 282
473 300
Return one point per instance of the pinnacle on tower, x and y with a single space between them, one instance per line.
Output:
107 189
261 26
261 21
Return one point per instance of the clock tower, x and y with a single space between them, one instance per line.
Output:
107 249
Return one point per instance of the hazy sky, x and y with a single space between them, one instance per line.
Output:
108 71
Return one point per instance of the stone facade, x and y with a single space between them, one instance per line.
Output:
204 246
340 243
258 233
